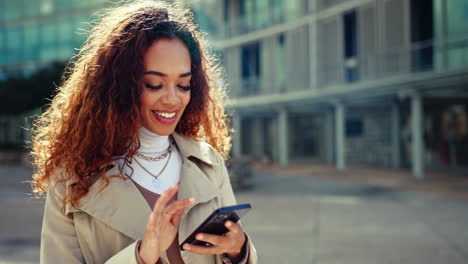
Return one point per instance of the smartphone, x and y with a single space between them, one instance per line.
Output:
214 224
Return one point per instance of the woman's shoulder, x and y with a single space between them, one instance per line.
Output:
201 150
61 179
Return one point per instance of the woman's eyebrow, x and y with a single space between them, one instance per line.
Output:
165 75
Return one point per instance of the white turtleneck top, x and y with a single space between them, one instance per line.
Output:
153 145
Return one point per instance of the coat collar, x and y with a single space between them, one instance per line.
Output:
121 205
192 148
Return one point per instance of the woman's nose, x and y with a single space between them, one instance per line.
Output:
171 97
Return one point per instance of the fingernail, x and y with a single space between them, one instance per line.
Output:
187 247
192 200
200 237
228 223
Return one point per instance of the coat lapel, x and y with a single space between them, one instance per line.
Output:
121 205
194 182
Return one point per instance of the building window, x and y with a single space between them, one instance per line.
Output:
354 128
422 34
250 68
14 40
281 64
350 46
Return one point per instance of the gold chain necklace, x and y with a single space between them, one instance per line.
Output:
157 158
156 180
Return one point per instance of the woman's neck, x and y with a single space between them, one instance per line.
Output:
151 142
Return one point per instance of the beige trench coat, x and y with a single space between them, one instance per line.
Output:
107 224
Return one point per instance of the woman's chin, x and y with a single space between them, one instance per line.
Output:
162 131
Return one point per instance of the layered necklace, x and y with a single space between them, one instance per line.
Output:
156 181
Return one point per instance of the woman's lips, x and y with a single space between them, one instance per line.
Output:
165 117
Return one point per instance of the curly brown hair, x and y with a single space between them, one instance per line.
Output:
95 115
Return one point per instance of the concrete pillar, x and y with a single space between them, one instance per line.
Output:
417 150
236 136
290 59
328 136
395 135
340 147
302 36
233 26
257 137
233 66
275 140
313 49
444 33
219 14
267 71
283 137
297 59
313 6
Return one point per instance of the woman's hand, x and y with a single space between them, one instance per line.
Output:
230 243
162 225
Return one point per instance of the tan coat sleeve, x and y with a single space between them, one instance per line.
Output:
59 243
58 238
227 199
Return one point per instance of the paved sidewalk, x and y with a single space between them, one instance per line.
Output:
323 221
20 224
453 185
296 219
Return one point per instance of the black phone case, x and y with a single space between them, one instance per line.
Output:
214 224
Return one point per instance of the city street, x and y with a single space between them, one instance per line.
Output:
346 123
295 220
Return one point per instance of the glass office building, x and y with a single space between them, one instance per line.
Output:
35 33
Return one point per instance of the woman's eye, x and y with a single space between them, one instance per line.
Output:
152 87
185 88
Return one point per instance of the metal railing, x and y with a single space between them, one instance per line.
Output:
246 24
427 56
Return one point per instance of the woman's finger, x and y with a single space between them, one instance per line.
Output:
176 218
212 239
177 205
151 222
235 228
202 250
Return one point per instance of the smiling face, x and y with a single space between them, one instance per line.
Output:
166 81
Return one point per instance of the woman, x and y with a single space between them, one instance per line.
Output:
137 124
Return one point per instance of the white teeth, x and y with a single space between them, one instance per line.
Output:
165 115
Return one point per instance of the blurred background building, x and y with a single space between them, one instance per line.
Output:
37 39
350 82
362 82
